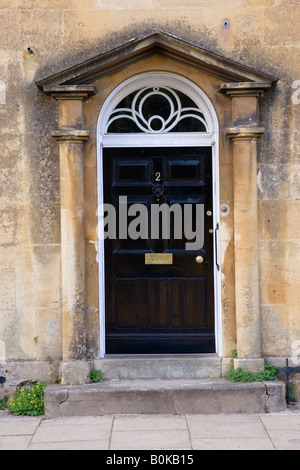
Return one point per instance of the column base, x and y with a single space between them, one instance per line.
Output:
74 372
251 364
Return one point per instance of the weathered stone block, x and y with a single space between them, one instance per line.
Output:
275 401
74 372
7 287
169 397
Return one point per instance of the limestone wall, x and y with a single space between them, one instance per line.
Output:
263 34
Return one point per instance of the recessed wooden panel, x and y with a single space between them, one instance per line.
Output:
132 171
159 303
135 223
143 306
125 301
194 303
185 171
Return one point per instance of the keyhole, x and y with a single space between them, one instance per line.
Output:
157 190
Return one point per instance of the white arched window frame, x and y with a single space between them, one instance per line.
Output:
160 138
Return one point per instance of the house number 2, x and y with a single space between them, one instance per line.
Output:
157 176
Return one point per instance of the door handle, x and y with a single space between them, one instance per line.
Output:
216 247
199 259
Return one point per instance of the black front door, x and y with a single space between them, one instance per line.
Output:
154 308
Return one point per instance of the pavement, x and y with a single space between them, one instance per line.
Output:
275 431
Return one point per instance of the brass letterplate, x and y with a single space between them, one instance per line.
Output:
159 258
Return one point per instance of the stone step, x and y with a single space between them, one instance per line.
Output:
175 397
164 367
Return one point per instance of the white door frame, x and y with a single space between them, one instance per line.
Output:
204 139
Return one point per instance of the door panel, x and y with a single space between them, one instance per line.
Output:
152 308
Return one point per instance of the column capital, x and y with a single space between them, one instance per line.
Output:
70 135
244 133
70 99
245 102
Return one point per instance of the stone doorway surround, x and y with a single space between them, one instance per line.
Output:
239 132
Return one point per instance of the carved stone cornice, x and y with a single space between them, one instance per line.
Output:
166 44
70 92
244 88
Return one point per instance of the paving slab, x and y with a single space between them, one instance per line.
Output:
226 428
280 421
70 429
146 432
15 442
153 432
150 440
16 425
232 444
70 445
285 440
150 423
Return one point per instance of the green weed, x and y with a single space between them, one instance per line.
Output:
28 400
96 375
243 375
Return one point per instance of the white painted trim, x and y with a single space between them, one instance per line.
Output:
161 140
158 140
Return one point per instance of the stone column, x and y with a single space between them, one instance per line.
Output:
72 243
244 135
71 137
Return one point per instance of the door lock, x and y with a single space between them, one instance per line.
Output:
199 259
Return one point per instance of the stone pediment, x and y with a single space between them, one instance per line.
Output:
80 77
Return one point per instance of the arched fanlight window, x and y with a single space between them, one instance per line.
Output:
156 110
